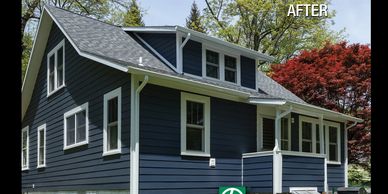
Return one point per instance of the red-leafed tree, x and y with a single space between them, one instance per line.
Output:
337 77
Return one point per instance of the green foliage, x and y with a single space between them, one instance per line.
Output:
264 26
134 15
27 46
358 175
194 21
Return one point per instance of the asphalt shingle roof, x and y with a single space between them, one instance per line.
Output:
112 43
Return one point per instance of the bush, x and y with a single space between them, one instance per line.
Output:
358 175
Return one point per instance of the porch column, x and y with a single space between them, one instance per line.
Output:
277 157
322 150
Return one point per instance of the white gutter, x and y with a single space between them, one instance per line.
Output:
277 155
346 151
134 145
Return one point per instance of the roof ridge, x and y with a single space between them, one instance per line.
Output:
85 16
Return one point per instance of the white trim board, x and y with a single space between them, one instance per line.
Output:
25 130
74 111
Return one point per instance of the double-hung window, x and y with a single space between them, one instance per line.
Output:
41 146
112 122
76 125
195 125
25 148
56 68
333 142
285 134
230 69
212 64
307 136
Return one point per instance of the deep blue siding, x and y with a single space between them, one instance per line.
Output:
163 170
336 173
248 72
192 58
82 167
303 172
164 44
258 174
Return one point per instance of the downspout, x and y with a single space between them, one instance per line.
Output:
277 156
134 145
346 151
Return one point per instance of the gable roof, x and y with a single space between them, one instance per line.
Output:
112 46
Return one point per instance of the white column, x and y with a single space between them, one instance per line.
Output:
179 59
322 148
277 157
346 155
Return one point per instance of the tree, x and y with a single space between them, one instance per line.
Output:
134 15
27 44
264 26
337 77
194 21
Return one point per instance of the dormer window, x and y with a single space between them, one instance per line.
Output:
220 65
212 64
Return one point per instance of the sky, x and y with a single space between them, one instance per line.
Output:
353 15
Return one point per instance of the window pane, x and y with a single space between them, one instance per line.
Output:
194 139
306 146
318 148
51 72
194 113
112 110
230 62
307 130
333 152
212 57
284 145
284 129
112 137
60 67
332 134
230 76
25 157
81 126
41 155
41 138
70 123
24 140
212 71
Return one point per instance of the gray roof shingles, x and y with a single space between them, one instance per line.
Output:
112 43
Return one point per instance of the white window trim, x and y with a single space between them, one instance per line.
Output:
303 189
41 128
206 101
69 113
336 125
26 129
221 61
289 133
107 97
314 122
53 52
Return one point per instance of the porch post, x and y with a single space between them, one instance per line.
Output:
322 150
277 157
346 155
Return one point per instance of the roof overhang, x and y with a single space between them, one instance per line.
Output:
193 33
304 108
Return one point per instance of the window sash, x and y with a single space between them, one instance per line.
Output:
76 126
56 68
25 148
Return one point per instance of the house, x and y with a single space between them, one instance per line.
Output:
165 109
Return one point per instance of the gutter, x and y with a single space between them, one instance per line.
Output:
134 145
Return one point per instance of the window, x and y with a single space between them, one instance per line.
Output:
195 125
221 65
307 129
230 69
76 127
41 146
25 148
212 64
333 143
56 68
285 134
112 122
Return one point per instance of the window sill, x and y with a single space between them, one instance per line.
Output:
56 90
111 152
41 166
334 162
199 154
75 145
25 169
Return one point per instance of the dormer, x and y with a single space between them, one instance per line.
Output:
192 53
